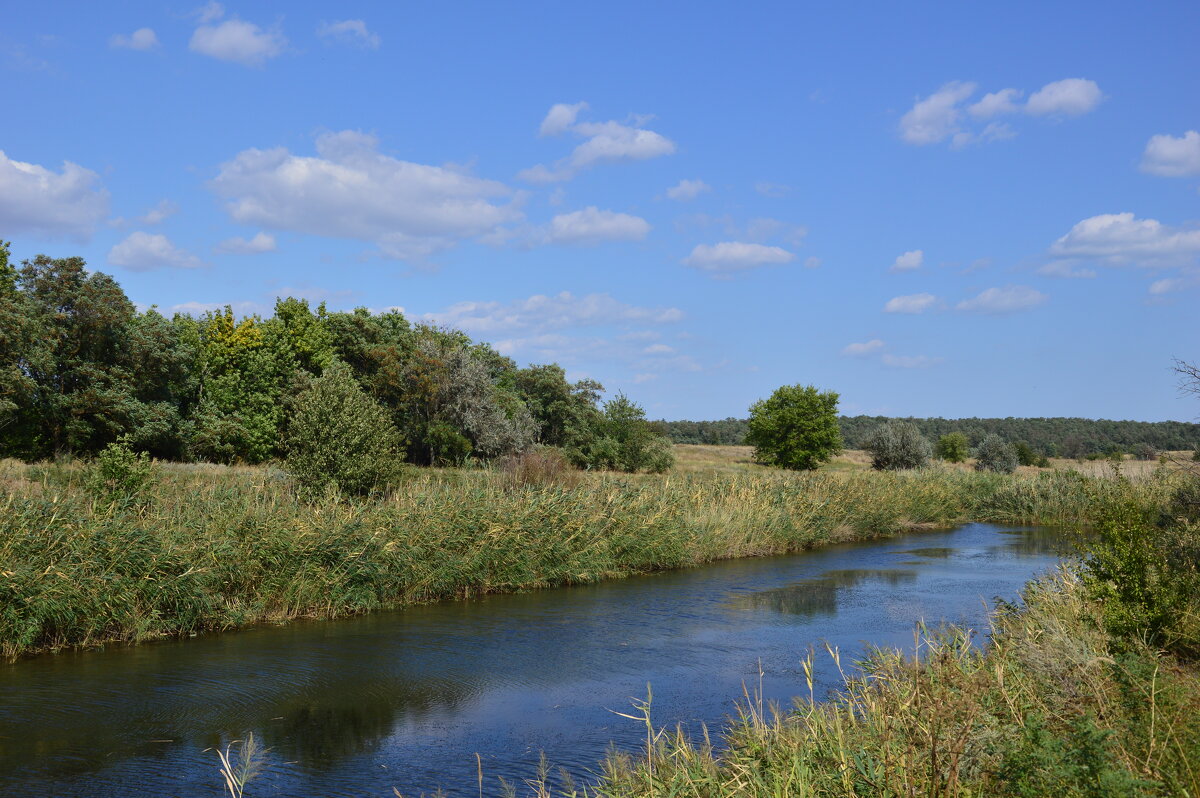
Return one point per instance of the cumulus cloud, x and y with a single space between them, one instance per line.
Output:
140 39
1070 97
351 190
540 314
603 142
909 261
156 215
234 39
1009 299
37 200
997 103
260 243
1168 156
351 32
143 252
730 256
1119 239
592 225
936 117
688 190
1170 285
862 349
910 361
910 303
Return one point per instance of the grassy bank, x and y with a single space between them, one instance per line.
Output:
211 548
1055 705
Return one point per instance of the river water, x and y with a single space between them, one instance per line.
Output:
407 698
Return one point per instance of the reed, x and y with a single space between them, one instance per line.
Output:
214 548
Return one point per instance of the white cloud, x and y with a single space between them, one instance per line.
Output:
262 242
659 349
1009 299
603 142
1168 156
1065 268
863 349
910 303
560 118
234 39
156 215
1070 97
772 190
936 117
37 200
909 261
996 103
543 314
353 191
910 361
728 256
688 190
209 12
1119 238
353 32
591 226
812 262
143 252
1169 285
140 39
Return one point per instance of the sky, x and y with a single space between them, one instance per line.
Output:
933 209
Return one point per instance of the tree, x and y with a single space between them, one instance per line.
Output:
338 436
953 447
1026 456
995 455
898 445
635 445
796 427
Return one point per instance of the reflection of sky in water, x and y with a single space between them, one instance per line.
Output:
407 698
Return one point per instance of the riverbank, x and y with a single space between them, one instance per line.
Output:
210 548
1053 705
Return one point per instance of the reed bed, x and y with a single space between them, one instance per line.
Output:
1045 709
210 548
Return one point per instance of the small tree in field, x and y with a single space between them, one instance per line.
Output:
796 428
340 437
898 445
995 455
953 447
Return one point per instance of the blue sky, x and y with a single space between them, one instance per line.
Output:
933 209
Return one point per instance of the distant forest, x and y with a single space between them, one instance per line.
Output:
1053 437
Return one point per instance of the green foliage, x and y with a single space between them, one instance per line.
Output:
953 447
1026 456
898 445
630 443
1081 763
795 428
994 454
340 438
120 476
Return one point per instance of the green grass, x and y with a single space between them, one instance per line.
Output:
211 548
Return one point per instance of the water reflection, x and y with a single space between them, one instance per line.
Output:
819 596
937 552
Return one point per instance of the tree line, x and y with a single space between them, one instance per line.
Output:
82 368
1049 437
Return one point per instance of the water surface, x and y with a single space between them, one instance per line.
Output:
407 698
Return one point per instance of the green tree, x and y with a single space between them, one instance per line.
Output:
635 445
994 454
1026 456
338 436
796 427
898 445
953 447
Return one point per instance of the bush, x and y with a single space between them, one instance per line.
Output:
796 428
542 466
953 447
1026 456
119 475
1144 451
898 445
995 455
340 438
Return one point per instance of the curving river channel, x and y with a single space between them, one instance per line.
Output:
407 698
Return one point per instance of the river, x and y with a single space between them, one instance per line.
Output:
407 698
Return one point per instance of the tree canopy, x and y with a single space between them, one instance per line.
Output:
796 427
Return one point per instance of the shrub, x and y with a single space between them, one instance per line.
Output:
898 445
338 437
542 466
796 428
953 447
119 475
1144 451
995 455
1026 456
